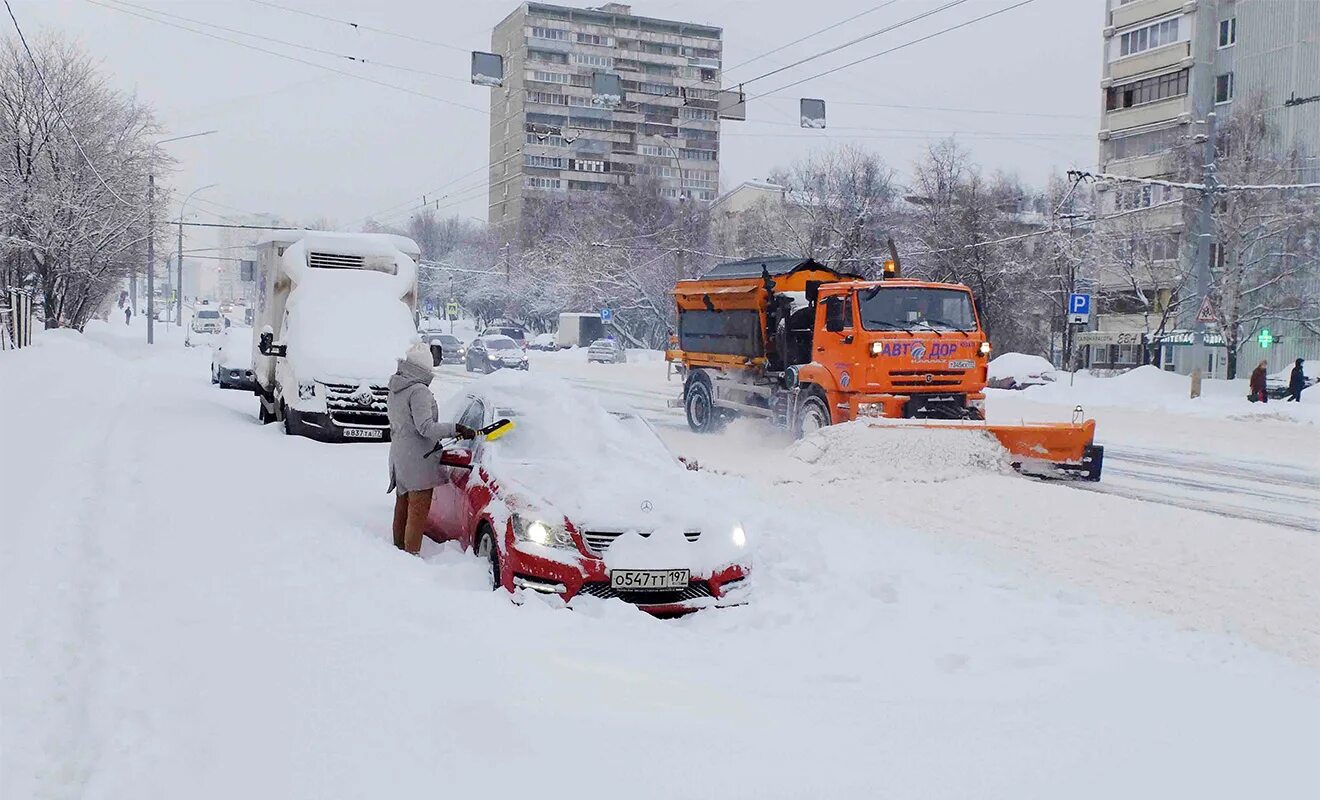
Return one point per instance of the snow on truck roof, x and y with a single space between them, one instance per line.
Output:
362 244
775 265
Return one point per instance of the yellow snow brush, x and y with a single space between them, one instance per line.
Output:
496 429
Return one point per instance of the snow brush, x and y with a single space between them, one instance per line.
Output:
490 433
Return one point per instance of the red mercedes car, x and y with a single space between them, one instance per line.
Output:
577 500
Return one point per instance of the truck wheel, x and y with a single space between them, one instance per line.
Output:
288 420
262 414
811 417
698 401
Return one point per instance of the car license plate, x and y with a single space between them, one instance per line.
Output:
649 579
362 433
967 364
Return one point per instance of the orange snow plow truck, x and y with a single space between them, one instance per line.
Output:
795 342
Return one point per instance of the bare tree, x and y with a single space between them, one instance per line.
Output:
1266 264
73 179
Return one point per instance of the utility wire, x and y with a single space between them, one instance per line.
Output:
851 42
331 53
927 37
288 57
810 36
60 113
991 111
360 26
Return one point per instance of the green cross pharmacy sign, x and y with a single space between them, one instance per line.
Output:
1265 338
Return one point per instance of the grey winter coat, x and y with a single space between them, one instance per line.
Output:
414 430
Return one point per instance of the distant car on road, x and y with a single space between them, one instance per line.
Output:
206 323
514 332
580 501
451 347
607 351
489 353
544 341
231 359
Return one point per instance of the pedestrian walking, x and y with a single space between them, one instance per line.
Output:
1296 383
1258 392
128 314
414 431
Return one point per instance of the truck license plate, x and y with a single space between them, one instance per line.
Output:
967 364
362 433
649 579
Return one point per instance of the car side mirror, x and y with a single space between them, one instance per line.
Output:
267 347
458 458
834 314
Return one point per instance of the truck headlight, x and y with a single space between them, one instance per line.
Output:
985 348
306 391
876 347
543 533
739 536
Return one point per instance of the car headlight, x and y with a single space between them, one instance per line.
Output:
985 348
739 536
543 533
306 391
493 356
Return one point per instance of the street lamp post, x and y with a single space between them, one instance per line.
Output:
178 292
151 233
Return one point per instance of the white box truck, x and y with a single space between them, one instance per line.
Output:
334 313
579 330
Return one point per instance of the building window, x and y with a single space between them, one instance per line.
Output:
1148 37
1148 143
588 186
587 165
594 38
536 182
548 77
548 98
1145 91
696 113
593 60
544 162
548 56
697 155
1224 88
1145 195
1228 32
553 34
545 140
650 150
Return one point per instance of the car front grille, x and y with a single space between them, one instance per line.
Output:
602 589
599 541
345 409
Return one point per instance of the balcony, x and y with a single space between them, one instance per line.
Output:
1147 114
1132 13
1149 61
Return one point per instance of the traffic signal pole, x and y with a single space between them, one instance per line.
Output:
1204 235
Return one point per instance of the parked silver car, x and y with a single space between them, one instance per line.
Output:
607 351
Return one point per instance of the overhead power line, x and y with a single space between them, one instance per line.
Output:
273 40
59 112
359 26
858 40
895 48
1196 187
288 57
826 29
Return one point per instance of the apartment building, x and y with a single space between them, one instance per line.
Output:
1167 63
549 136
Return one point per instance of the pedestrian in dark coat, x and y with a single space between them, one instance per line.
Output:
1258 393
414 431
1296 383
128 314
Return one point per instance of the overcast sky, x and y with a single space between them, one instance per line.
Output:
304 142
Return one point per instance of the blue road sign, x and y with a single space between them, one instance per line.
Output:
1079 309
607 315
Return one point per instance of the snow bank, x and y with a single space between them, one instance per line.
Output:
1018 370
873 452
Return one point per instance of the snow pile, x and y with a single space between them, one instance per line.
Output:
347 324
871 452
1019 370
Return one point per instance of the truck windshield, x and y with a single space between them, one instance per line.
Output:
910 308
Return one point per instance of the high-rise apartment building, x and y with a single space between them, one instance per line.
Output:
548 135
1167 64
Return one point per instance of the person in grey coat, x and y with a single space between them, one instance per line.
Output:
414 431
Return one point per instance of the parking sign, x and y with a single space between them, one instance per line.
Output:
607 315
1079 309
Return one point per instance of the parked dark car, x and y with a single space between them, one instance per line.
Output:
489 353
449 347
514 332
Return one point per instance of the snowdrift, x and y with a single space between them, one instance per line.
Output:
872 451
1019 370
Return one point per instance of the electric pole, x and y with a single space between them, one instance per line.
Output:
151 258
1204 234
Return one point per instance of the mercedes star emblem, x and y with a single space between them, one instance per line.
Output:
646 505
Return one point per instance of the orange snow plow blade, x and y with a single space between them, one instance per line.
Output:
1042 449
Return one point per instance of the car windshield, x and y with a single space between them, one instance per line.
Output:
208 315
885 308
603 343
501 343
447 339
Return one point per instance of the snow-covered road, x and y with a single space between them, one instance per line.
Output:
193 605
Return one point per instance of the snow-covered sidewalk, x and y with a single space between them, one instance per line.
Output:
193 605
